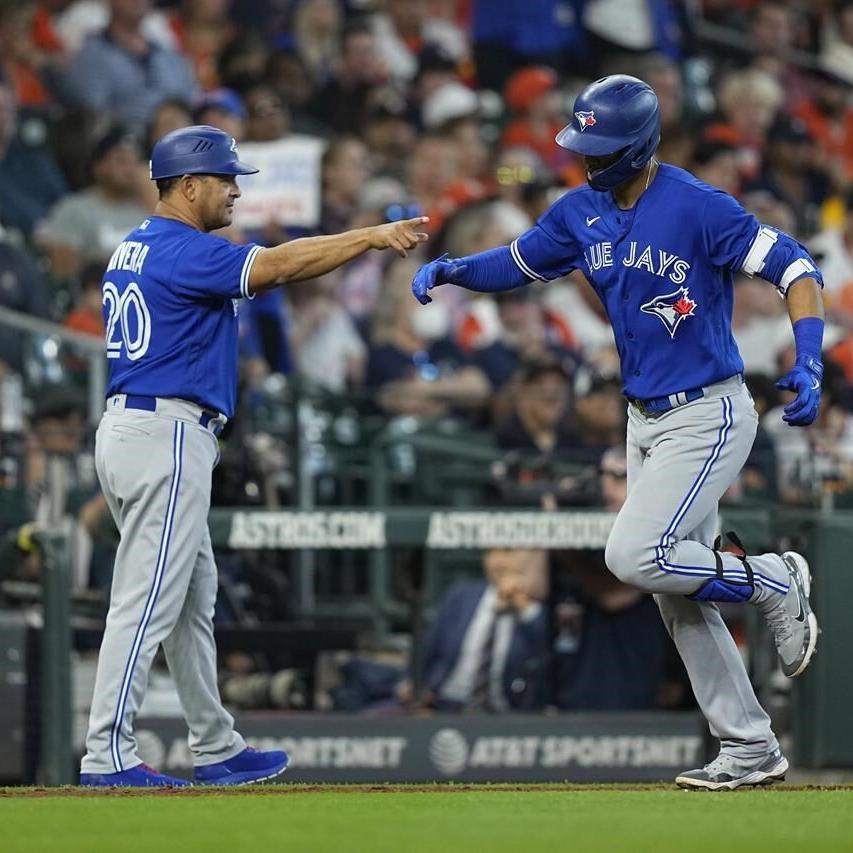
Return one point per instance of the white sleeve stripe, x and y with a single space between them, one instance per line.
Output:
759 250
519 261
246 271
798 268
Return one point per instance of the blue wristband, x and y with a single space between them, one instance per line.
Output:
808 337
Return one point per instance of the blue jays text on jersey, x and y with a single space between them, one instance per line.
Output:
664 271
170 308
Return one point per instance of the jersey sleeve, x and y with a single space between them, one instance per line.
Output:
548 250
728 231
736 240
210 266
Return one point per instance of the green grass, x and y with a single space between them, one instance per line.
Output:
456 819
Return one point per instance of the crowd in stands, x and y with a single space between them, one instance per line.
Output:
363 111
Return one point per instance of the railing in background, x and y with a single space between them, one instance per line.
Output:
92 348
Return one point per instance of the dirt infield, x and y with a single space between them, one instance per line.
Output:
288 790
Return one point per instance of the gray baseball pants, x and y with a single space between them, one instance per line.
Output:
679 466
155 471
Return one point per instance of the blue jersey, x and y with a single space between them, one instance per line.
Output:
170 297
664 271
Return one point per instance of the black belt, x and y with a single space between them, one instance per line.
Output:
658 405
149 404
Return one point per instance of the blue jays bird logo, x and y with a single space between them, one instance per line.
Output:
586 118
671 308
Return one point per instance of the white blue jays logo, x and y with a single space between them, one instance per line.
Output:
671 308
586 118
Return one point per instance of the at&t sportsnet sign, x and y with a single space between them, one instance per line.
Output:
569 747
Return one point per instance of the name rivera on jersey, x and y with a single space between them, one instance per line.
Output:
129 256
665 265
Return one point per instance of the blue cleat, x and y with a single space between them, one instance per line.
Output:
141 776
246 767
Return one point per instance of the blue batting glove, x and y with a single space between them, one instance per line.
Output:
804 379
439 271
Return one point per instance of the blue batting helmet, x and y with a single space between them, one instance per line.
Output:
617 114
197 150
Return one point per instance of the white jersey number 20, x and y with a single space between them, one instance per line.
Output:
119 308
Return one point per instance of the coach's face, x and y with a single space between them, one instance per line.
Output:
214 197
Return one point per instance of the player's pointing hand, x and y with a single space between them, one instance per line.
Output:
400 236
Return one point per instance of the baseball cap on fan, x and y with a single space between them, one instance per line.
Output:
451 101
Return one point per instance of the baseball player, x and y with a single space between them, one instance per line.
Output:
660 248
171 295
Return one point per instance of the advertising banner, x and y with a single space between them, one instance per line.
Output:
601 747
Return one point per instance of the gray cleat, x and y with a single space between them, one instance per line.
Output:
725 773
790 617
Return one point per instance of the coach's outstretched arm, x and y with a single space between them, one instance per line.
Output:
310 257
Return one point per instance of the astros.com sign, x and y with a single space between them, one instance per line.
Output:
332 748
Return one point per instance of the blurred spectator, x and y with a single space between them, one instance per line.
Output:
403 30
243 61
474 157
25 65
758 479
169 115
326 345
222 108
436 67
774 27
448 103
748 101
87 315
343 102
599 419
716 164
791 175
388 134
265 336
432 167
487 648
267 117
58 429
22 290
635 25
523 332
317 32
760 324
602 625
515 169
414 367
30 181
837 52
509 34
86 226
202 29
125 74
531 95
288 76
539 422
76 21
833 251
828 115
345 170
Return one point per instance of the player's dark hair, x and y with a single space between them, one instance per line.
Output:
166 185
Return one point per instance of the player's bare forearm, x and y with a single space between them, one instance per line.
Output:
805 299
310 257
